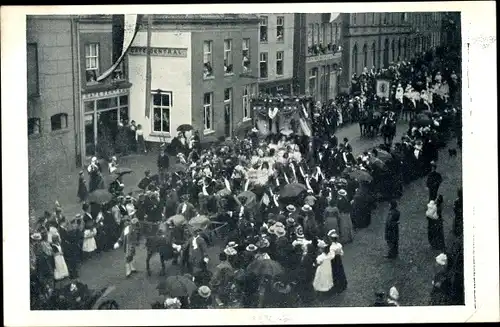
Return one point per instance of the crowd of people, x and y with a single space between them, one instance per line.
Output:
287 205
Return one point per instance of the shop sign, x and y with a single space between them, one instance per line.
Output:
104 94
159 52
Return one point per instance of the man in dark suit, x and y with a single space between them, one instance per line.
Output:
392 231
434 180
163 162
195 253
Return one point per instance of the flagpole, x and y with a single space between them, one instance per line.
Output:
148 68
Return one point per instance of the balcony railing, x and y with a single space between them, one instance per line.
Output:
320 49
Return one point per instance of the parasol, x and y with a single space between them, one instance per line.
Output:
100 196
178 167
292 190
265 267
361 176
184 128
379 164
177 286
199 222
177 220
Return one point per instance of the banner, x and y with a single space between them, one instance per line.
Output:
383 88
124 30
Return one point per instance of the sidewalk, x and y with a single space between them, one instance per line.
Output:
65 188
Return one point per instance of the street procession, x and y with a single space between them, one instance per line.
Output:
272 217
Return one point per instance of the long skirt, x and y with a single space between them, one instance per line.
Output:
339 277
435 233
346 231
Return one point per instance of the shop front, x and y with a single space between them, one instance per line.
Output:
103 112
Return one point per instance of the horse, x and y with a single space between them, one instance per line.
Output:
388 130
163 244
369 123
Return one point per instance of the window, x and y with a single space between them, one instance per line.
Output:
327 34
310 36
32 69
280 28
355 59
373 19
386 18
228 108
91 62
59 121
263 64
365 56
162 104
363 19
246 55
207 59
207 112
393 50
374 55
246 102
399 50
333 34
354 18
34 126
119 73
318 33
337 33
228 57
312 81
263 28
403 17
405 45
279 62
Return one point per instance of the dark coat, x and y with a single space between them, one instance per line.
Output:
392 227
434 180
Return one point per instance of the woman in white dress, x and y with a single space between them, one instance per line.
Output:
323 278
60 268
89 243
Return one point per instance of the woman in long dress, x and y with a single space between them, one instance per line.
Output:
338 273
323 278
435 230
60 268
89 243
346 230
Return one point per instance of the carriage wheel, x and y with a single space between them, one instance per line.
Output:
108 305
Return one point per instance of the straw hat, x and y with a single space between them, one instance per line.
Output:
251 248
322 244
280 232
332 233
342 192
204 292
442 259
306 208
290 222
290 208
230 251
36 236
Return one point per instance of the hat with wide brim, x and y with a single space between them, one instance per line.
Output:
290 222
232 244
251 248
332 233
36 236
230 251
263 243
306 208
342 192
280 232
290 208
204 291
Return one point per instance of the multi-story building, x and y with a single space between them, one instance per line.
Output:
203 72
276 37
451 28
317 55
52 104
377 39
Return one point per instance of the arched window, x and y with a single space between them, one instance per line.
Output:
355 59
59 121
365 56
374 55
393 51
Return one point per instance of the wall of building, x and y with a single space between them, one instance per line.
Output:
273 45
51 153
217 33
171 74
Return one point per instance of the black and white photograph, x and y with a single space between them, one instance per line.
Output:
250 160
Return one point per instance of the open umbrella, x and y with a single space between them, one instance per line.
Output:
178 167
247 198
100 196
184 128
292 190
199 222
423 120
178 220
384 155
361 176
122 171
177 286
265 267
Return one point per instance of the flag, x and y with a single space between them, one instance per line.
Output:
148 68
334 16
124 29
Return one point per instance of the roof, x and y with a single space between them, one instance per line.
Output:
184 18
